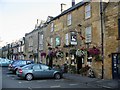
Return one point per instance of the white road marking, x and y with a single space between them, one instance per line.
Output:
30 88
106 86
73 84
54 86
23 82
19 82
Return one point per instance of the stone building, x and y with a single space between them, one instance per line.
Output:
111 40
79 27
88 33
35 43
31 45
21 48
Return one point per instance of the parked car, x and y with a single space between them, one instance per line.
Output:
4 62
17 64
32 71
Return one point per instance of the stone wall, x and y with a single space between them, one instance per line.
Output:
111 36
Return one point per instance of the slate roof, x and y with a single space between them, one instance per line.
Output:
69 10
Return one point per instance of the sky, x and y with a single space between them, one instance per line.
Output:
18 17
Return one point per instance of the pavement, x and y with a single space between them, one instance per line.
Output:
96 82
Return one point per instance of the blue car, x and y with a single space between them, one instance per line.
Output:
32 71
18 63
5 62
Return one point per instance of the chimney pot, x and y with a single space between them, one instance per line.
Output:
73 2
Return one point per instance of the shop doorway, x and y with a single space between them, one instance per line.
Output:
116 65
79 64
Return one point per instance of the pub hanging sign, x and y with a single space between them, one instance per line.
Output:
73 40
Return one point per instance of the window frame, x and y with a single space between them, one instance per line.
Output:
69 19
67 39
87 11
88 34
56 41
41 41
51 41
52 27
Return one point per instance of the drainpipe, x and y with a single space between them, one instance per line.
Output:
38 48
102 9
102 38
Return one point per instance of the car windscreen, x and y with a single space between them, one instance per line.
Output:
21 62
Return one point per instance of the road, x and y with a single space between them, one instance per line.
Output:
9 80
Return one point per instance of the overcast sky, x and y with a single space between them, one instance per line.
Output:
18 17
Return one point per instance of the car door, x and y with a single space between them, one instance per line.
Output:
37 71
46 71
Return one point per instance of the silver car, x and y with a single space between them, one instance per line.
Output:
32 71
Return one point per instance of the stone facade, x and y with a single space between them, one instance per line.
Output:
78 17
31 45
111 40
78 27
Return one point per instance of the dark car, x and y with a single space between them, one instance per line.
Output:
18 63
38 71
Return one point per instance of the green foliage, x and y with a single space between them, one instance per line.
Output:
98 58
72 69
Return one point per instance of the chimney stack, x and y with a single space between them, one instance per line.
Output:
73 2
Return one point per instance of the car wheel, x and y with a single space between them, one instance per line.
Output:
29 77
57 76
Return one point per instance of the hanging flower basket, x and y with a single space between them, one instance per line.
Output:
59 54
43 54
80 53
95 52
